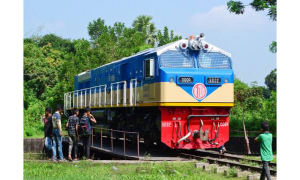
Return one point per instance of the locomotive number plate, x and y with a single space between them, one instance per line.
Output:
213 80
186 80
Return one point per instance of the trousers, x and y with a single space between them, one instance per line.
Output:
265 172
57 142
86 146
73 141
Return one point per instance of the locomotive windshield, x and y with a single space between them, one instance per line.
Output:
213 60
184 59
176 59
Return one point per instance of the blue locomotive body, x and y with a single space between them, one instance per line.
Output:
163 84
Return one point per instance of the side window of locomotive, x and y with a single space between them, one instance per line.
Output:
149 68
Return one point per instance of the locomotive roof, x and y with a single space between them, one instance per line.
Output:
160 50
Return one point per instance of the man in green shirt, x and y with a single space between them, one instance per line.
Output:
266 152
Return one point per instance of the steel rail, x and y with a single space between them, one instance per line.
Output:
229 157
226 162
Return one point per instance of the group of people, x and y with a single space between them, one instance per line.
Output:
82 129
77 129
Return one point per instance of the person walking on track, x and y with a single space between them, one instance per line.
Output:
72 125
265 139
57 134
47 119
86 128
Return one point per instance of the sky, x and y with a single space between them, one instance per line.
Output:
247 37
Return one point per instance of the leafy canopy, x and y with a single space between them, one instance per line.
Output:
51 62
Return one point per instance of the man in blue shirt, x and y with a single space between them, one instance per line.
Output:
57 134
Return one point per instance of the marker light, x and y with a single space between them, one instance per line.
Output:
206 46
191 37
171 79
183 45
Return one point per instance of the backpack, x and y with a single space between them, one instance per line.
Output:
84 129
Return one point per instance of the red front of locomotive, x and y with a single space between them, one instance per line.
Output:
194 127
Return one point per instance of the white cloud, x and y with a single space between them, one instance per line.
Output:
219 18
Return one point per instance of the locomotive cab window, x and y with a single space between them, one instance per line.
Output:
149 68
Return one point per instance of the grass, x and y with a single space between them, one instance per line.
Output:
40 134
247 162
258 158
88 170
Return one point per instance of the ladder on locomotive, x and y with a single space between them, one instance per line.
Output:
96 97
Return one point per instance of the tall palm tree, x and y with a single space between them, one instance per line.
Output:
142 24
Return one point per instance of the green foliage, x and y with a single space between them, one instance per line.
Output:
97 28
57 43
273 13
166 37
273 47
51 62
142 24
238 7
252 103
271 80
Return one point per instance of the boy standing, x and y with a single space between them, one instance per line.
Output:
72 126
85 123
266 152
57 134
47 119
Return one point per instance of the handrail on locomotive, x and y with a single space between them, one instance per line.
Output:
69 97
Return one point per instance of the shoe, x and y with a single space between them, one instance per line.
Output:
76 159
52 159
224 149
61 160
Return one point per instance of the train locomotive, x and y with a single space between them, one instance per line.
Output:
178 95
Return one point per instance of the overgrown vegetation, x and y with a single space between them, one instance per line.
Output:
51 62
255 104
90 170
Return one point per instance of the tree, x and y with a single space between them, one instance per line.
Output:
271 81
238 7
51 62
142 24
97 28
57 43
166 37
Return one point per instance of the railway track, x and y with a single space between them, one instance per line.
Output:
228 160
